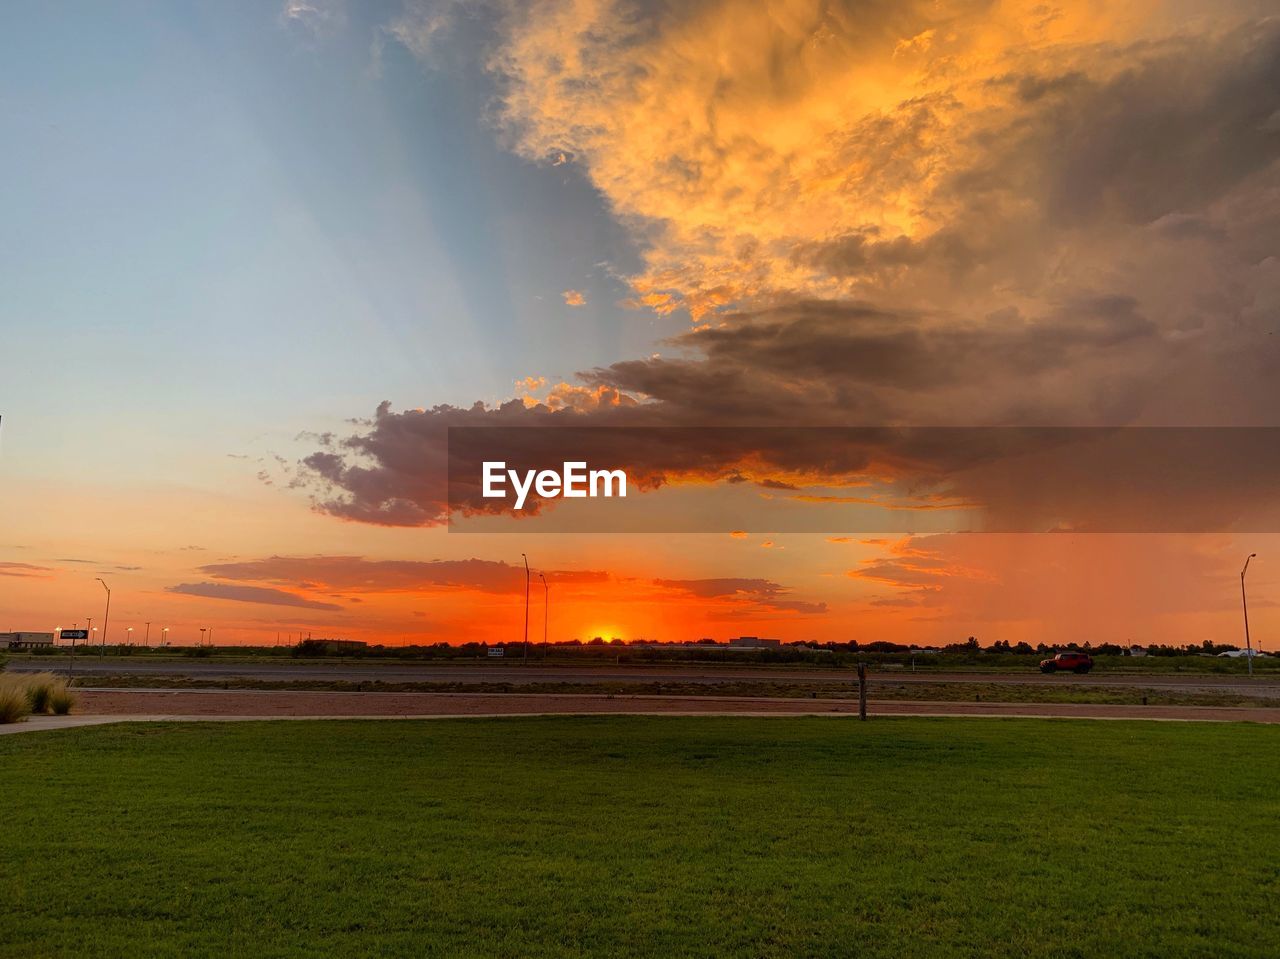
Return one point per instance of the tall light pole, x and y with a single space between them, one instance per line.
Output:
164 636
526 606
546 612
146 639
129 636
202 635
1244 602
102 650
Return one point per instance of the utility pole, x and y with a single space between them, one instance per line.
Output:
526 607
102 649
146 640
546 612
1244 602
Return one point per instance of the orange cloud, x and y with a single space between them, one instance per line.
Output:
784 124
531 383
574 298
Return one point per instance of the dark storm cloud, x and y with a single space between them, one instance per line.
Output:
849 346
807 364
1174 132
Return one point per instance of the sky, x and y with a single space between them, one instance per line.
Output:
258 258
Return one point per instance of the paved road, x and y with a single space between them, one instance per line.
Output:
708 673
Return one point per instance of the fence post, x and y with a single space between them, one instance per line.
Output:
862 690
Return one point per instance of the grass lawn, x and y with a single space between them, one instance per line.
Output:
630 836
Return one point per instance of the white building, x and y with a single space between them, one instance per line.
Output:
25 640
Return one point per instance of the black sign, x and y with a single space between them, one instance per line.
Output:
75 634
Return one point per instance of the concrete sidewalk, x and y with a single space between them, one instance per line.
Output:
898 710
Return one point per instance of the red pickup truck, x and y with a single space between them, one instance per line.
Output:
1076 662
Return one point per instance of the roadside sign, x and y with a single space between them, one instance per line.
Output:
75 634
497 651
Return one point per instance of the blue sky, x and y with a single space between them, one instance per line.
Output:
220 227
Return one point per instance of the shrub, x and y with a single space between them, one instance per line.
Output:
39 688
61 700
20 696
38 694
14 704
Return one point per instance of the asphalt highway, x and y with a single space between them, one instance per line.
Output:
708 674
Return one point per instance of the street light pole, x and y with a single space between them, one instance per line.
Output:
526 607
546 612
1244 602
102 649
146 640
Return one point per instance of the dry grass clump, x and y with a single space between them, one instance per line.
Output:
14 705
62 700
39 693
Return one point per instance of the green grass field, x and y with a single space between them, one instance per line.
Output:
654 837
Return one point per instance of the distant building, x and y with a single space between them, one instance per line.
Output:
753 642
344 645
330 647
26 640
